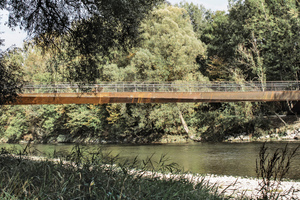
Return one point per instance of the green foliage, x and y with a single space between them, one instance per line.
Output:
216 122
84 119
255 40
257 37
10 77
167 52
14 122
169 48
88 27
198 15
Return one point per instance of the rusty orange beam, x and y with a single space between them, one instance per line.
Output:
154 97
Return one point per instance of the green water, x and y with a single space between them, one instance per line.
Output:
236 159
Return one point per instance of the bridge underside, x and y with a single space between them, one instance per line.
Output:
154 97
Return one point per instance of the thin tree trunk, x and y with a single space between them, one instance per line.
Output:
281 119
186 128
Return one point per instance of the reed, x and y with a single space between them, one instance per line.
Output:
271 168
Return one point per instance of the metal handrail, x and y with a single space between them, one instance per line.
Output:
161 87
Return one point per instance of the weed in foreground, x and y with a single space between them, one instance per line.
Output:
272 169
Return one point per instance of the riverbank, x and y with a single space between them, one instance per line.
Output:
35 178
192 185
235 187
239 187
281 128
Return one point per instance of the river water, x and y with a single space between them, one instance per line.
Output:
235 159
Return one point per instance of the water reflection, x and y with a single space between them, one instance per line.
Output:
236 159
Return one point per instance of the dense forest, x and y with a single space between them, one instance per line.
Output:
256 40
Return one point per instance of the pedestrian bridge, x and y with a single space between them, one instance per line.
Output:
152 92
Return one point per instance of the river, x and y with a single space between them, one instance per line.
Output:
235 159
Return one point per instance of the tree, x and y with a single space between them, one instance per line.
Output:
169 48
216 36
258 37
10 81
198 15
88 27
8 88
42 17
167 52
256 41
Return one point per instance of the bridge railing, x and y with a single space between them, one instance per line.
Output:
160 87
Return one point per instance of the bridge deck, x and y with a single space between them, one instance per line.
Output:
154 97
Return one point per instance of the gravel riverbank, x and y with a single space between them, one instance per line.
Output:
230 186
237 187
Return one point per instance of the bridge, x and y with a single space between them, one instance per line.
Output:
153 92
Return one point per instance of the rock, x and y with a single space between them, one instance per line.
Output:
246 137
289 132
62 139
28 137
4 140
285 137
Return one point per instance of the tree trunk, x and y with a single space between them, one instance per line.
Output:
186 128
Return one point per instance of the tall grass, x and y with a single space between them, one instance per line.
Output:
272 168
93 175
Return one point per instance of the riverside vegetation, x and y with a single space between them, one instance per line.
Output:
82 174
254 41
93 175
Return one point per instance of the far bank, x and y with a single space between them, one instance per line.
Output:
280 128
